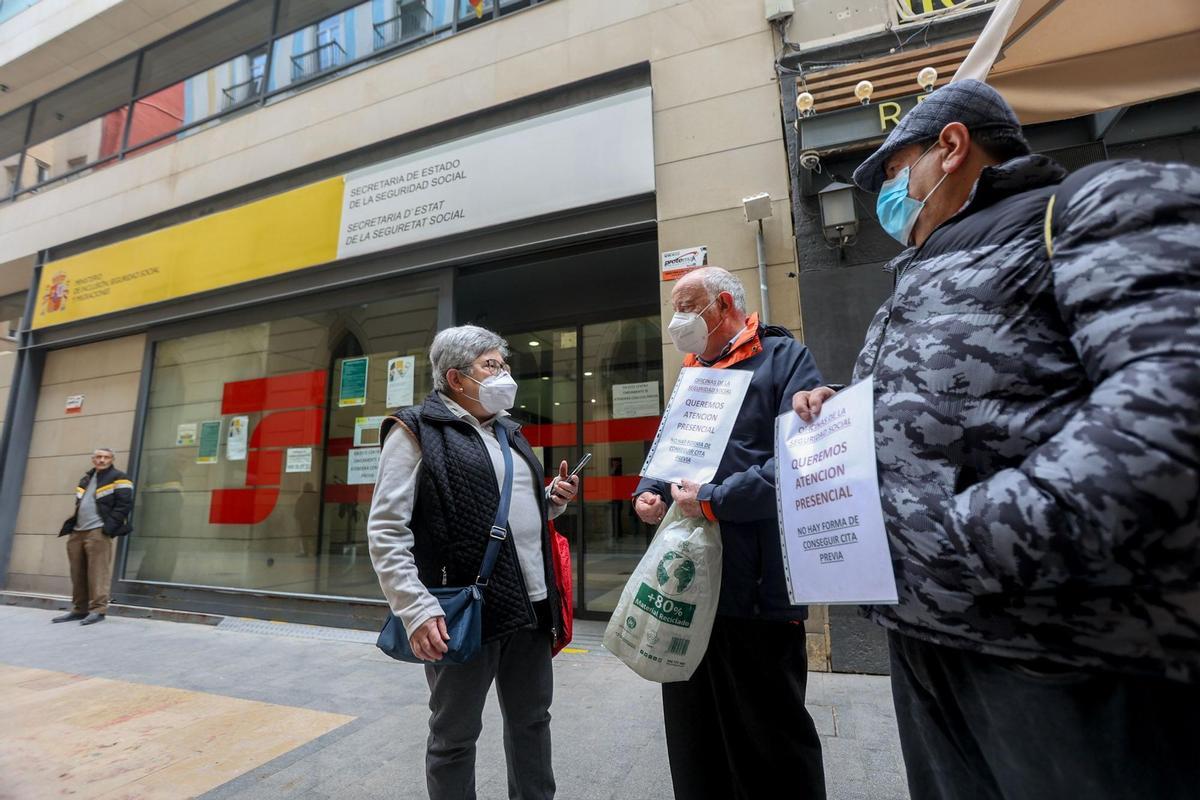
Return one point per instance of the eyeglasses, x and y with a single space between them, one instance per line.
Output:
495 367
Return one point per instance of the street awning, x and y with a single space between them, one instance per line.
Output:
1057 59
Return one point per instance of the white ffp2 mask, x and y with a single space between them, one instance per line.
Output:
688 331
497 392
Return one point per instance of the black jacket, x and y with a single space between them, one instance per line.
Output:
1036 420
456 504
114 501
741 496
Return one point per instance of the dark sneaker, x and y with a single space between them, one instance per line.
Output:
70 616
92 619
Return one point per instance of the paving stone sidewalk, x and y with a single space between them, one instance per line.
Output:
607 725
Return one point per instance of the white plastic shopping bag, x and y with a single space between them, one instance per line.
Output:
664 618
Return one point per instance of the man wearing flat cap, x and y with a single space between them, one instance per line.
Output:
1037 429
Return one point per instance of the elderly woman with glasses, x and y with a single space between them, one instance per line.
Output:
441 474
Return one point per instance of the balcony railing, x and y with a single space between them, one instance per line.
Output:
321 58
413 22
240 93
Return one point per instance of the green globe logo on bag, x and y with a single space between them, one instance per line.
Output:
675 573
630 623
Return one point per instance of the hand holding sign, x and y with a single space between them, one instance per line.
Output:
808 404
835 547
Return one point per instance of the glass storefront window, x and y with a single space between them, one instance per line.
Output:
257 454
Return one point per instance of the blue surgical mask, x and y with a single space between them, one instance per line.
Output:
898 213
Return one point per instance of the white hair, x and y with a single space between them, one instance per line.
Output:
457 348
717 280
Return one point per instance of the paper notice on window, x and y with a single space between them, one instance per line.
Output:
209 444
352 385
366 430
696 424
835 547
400 381
235 438
362 464
299 459
635 400
185 435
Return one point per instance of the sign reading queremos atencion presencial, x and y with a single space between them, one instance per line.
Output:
835 547
586 154
696 424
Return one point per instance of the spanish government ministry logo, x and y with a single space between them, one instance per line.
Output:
55 298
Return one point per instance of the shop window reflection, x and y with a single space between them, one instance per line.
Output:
273 506
224 87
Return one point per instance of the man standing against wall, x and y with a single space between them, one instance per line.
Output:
739 725
103 505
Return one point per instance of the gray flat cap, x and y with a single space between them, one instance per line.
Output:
971 102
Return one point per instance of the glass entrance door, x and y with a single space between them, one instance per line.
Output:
594 388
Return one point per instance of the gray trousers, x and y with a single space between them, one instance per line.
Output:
520 666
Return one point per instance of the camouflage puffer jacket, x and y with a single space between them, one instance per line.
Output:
1037 380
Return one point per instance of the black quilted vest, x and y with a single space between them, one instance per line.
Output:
457 498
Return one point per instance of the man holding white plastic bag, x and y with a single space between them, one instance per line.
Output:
739 725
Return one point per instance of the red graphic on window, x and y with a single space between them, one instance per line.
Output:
297 419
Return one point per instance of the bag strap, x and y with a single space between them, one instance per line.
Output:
499 530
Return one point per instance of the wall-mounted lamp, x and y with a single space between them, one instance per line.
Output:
804 104
926 78
839 222
863 91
